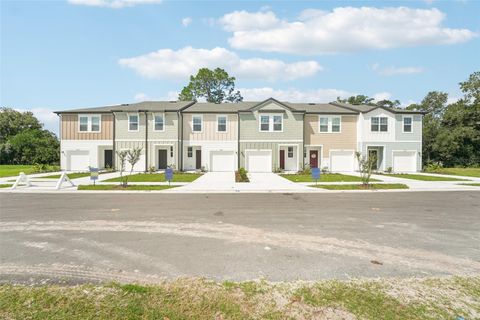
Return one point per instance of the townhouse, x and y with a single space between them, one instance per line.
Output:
260 136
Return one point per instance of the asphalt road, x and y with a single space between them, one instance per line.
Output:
148 237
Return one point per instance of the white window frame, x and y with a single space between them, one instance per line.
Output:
329 124
201 123
189 152
270 122
138 121
411 124
154 121
288 151
89 123
379 124
226 123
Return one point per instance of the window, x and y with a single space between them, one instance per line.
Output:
89 123
264 123
336 124
330 124
290 152
379 124
407 124
197 123
133 122
171 151
323 124
222 124
158 122
190 152
277 123
83 123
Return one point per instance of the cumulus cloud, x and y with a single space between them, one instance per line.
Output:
115 4
392 70
294 95
179 64
186 21
382 96
344 29
169 96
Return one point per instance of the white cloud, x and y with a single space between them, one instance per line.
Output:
116 4
140 97
294 95
345 29
45 116
392 70
170 96
179 64
186 21
382 96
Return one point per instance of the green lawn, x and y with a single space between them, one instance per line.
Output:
118 187
471 184
14 170
327 177
5 185
399 299
422 177
158 177
73 175
373 186
468 172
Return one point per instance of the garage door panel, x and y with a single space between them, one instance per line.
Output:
222 161
342 161
404 161
259 161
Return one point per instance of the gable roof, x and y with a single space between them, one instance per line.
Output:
153 106
366 108
321 108
209 107
265 102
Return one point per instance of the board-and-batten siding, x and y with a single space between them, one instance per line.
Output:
209 129
69 128
346 139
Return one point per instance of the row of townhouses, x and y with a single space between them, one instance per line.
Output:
259 136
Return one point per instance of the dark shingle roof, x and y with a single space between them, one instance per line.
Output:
206 107
140 106
366 108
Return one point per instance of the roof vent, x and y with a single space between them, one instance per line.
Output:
311 103
172 101
125 104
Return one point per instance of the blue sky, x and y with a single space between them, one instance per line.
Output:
58 55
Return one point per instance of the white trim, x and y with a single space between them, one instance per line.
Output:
143 140
89 123
279 140
379 125
384 153
255 150
416 158
329 123
201 122
154 114
271 122
226 123
298 153
128 121
403 124
309 147
340 150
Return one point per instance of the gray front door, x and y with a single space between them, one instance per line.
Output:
162 159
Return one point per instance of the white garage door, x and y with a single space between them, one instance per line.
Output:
78 160
259 161
404 161
222 161
341 161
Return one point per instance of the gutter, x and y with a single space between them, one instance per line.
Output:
238 143
146 139
114 153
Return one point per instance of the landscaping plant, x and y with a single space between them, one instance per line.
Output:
133 156
122 158
365 166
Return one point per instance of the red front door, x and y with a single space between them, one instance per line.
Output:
282 159
313 158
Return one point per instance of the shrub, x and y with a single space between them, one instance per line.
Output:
389 170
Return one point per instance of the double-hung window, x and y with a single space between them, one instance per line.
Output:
89 123
323 124
190 152
330 124
271 123
222 124
171 151
290 152
336 124
197 123
133 122
407 124
379 124
159 122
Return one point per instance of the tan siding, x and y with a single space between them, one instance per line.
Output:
69 128
346 139
209 130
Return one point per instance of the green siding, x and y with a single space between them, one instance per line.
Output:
292 127
274 146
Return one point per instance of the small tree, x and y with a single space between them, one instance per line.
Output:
365 166
122 157
133 156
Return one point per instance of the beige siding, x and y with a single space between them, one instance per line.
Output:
209 130
346 139
69 128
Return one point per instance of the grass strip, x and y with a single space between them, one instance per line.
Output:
467 172
422 177
158 177
372 186
324 177
121 188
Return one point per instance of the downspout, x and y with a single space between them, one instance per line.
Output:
303 143
180 140
60 138
238 141
146 142
114 156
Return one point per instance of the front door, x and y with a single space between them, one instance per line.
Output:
313 158
373 153
108 159
162 159
282 159
198 159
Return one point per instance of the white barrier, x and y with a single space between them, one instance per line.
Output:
22 179
63 178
